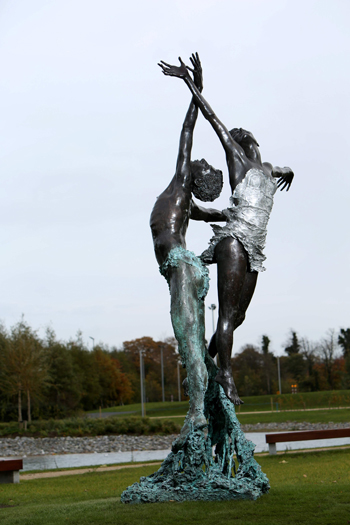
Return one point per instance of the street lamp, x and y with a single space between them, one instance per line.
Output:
93 342
279 374
212 307
143 412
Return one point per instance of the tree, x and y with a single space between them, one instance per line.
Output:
309 353
344 341
115 387
129 358
64 392
293 344
327 350
24 366
247 370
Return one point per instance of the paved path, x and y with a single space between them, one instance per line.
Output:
55 474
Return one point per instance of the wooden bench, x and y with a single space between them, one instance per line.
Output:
9 470
306 435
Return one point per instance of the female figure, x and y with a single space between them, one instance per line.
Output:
237 247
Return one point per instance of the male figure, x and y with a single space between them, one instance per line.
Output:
185 273
237 247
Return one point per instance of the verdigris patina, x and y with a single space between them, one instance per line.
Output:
190 472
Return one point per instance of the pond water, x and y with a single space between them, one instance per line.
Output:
86 460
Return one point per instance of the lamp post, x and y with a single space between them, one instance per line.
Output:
93 342
279 374
178 380
142 384
162 372
212 307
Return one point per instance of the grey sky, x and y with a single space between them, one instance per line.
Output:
89 138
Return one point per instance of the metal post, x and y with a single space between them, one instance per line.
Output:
212 307
93 342
141 380
144 385
162 371
279 374
178 380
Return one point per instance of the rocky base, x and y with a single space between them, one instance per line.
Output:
188 475
190 472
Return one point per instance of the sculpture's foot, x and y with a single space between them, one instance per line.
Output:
228 384
192 423
212 350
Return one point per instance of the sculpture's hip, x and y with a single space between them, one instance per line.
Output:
180 254
249 213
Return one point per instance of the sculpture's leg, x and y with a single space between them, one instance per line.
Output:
187 316
232 266
246 296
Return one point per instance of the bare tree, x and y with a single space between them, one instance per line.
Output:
327 350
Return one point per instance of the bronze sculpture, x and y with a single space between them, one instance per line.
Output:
190 472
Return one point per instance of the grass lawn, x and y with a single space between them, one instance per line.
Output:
324 399
310 489
319 416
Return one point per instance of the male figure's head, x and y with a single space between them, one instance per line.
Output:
248 143
207 182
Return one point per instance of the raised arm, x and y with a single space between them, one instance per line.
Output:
185 146
231 148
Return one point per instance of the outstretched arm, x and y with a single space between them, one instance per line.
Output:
185 146
230 146
206 214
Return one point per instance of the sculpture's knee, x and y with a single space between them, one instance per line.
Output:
239 320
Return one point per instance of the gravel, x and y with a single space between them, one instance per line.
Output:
27 446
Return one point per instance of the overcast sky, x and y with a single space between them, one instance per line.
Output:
89 136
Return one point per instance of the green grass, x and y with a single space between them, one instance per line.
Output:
152 409
307 489
324 399
319 416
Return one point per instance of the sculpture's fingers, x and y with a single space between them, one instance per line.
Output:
284 185
194 60
165 64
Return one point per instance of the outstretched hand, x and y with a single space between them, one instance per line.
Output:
174 71
285 177
196 71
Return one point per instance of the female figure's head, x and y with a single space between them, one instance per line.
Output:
207 182
248 143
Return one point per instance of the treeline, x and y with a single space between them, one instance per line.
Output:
306 366
48 378
45 377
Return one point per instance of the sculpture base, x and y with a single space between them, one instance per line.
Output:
190 472
186 476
